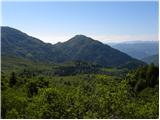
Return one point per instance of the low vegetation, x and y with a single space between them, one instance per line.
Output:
84 93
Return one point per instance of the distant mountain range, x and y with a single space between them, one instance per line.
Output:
152 59
138 49
18 44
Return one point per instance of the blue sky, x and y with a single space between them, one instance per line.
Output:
105 21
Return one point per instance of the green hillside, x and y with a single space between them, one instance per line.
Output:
80 47
79 79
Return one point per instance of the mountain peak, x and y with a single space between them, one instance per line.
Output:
79 47
80 36
82 39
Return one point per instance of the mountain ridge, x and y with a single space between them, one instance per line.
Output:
139 49
78 47
152 59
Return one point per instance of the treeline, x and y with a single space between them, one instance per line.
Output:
143 77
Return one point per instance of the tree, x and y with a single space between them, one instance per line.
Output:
152 75
12 80
32 89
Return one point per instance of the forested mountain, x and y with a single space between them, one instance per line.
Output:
138 49
17 43
80 47
152 59
84 48
78 79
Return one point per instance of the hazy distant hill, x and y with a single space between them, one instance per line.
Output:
152 59
80 47
138 49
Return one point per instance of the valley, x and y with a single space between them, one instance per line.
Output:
81 78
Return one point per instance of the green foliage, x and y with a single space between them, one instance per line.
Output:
14 102
12 80
12 114
143 77
37 95
34 86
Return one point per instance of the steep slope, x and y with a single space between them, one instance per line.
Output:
17 43
84 48
137 49
152 59
80 47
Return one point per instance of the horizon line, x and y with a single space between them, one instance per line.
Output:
102 38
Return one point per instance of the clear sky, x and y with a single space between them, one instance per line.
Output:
105 21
